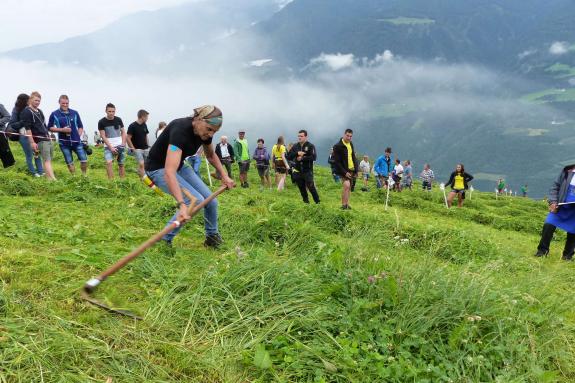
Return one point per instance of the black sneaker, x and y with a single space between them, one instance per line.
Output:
213 241
567 257
541 253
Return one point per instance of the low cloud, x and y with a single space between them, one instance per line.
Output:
559 48
334 62
325 102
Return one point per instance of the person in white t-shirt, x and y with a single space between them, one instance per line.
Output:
365 169
397 175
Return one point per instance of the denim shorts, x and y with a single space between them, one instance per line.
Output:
78 149
141 155
109 156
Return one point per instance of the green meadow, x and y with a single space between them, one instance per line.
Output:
298 293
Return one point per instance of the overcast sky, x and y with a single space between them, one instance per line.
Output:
29 22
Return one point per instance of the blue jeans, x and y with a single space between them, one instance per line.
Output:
195 162
78 149
29 155
189 180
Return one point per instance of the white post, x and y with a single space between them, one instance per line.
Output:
442 187
496 194
208 169
390 183
470 192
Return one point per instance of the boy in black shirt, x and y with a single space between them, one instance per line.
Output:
137 139
165 166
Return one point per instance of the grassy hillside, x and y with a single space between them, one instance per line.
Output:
298 293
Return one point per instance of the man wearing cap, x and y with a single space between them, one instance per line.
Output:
167 169
242 154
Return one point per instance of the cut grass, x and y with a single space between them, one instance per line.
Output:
297 293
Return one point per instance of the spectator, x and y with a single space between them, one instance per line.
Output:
382 168
262 158
161 126
407 175
331 162
397 175
38 135
280 162
427 177
113 134
33 161
5 153
225 153
346 166
561 214
137 139
459 183
365 169
67 123
242 152
303 155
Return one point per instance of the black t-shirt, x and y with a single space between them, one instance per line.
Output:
179 133
36 122
138 133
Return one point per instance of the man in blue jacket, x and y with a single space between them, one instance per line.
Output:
67 123
382 167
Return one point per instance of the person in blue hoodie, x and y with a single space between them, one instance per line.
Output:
382 167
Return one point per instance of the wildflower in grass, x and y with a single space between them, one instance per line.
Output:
371 279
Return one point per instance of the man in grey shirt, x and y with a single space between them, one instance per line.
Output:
112 131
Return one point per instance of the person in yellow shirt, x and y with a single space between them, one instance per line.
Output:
346 166
459 183
280 162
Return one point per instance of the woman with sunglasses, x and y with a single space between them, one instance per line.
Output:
166 168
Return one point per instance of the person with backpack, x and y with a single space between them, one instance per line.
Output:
459 183
280 163
38 135
33 162
383 166
346 166
5 153
262 158
67 123
561 214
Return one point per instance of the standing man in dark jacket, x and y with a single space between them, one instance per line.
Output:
346 166
303 155
561 214
225 153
